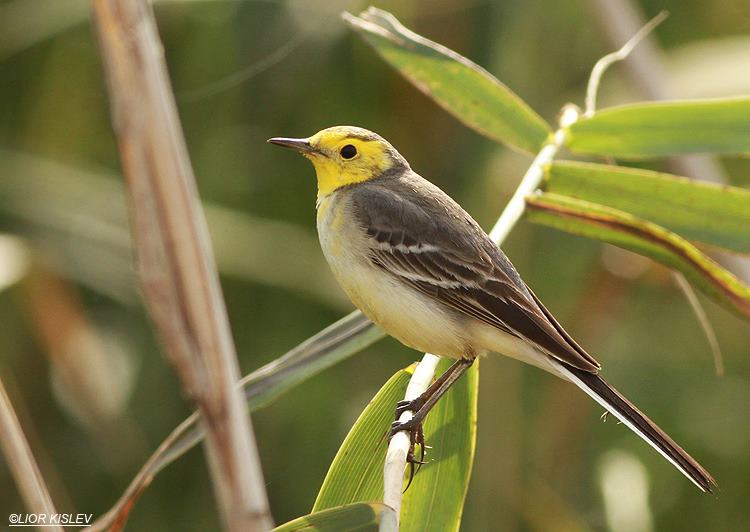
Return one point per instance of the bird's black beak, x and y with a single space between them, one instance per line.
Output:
301 145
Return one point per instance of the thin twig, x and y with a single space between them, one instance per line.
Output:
237 78
175 264
21 462
645 68
398 447
705 323
605 62
531 180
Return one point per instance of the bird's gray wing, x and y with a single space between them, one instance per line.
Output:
416 240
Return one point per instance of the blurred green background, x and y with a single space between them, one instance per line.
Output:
79 357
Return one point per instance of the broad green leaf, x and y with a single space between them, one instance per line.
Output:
461 87
627 231
704 212
435 499
658 129
356 473
336 342
359 517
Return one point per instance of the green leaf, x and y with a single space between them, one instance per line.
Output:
713 214
359 517
356 473
625 230
658 129
436 497
340 340
461 87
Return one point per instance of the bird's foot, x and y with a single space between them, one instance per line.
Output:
413 406
416 437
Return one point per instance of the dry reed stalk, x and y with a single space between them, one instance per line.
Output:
176 266
21 462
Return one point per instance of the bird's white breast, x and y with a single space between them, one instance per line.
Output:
402 311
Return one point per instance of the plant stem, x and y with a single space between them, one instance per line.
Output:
395 459
176 266
21 462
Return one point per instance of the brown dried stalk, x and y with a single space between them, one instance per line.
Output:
21 462
175 263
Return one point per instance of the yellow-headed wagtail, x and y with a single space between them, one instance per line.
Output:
418 265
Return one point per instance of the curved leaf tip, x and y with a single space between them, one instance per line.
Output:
460 86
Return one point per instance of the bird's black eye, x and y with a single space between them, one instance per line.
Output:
348 151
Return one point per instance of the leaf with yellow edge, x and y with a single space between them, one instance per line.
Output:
645 238
713 214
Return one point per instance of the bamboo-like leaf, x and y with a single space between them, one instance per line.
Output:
356 473
625 230
658 129
713 214
461 87
359 517
340 340
435 499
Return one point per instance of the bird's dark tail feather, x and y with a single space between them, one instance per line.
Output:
625 411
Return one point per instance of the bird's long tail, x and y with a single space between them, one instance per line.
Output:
604 394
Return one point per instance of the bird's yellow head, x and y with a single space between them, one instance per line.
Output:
344 155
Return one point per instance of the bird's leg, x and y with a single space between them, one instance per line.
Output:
415 404
421 407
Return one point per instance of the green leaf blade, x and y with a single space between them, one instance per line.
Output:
436 497
660 129
461 87
356 473
359 517
712 214
340 340
645 238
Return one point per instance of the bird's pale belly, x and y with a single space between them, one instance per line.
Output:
401 311
405 314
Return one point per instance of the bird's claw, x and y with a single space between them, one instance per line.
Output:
416 437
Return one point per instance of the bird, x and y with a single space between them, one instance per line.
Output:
419 266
